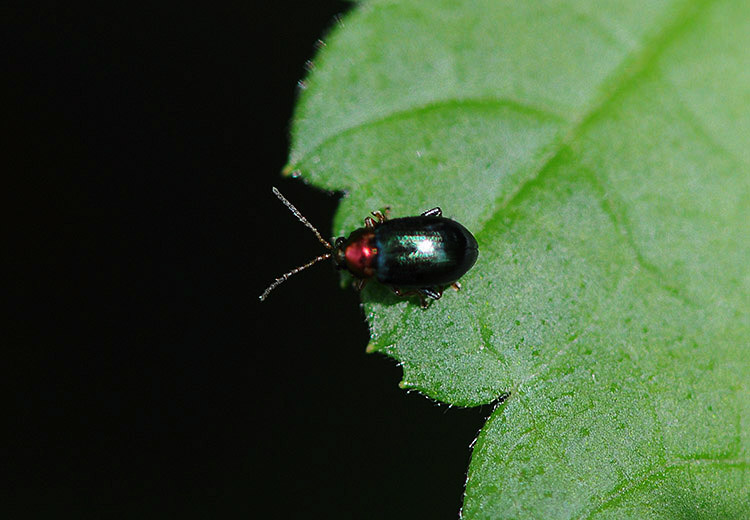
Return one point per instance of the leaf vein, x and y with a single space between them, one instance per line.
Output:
624 227
616 493
700 127
443 104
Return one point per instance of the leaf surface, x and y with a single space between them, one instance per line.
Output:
600 152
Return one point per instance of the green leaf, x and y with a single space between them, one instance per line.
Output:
600 152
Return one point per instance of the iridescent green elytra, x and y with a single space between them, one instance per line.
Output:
415 252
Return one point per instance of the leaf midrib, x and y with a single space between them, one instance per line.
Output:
633 67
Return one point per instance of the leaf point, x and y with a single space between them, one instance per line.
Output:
290 170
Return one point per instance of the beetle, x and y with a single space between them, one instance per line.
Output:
412 255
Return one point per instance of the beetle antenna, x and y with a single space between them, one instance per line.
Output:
302 219
296 270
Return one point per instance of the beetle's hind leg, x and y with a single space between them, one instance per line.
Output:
434 293
401 293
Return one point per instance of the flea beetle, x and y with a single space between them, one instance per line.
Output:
412 255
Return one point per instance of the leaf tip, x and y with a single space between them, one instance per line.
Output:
370 348
290 171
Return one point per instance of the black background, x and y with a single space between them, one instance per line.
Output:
143 376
